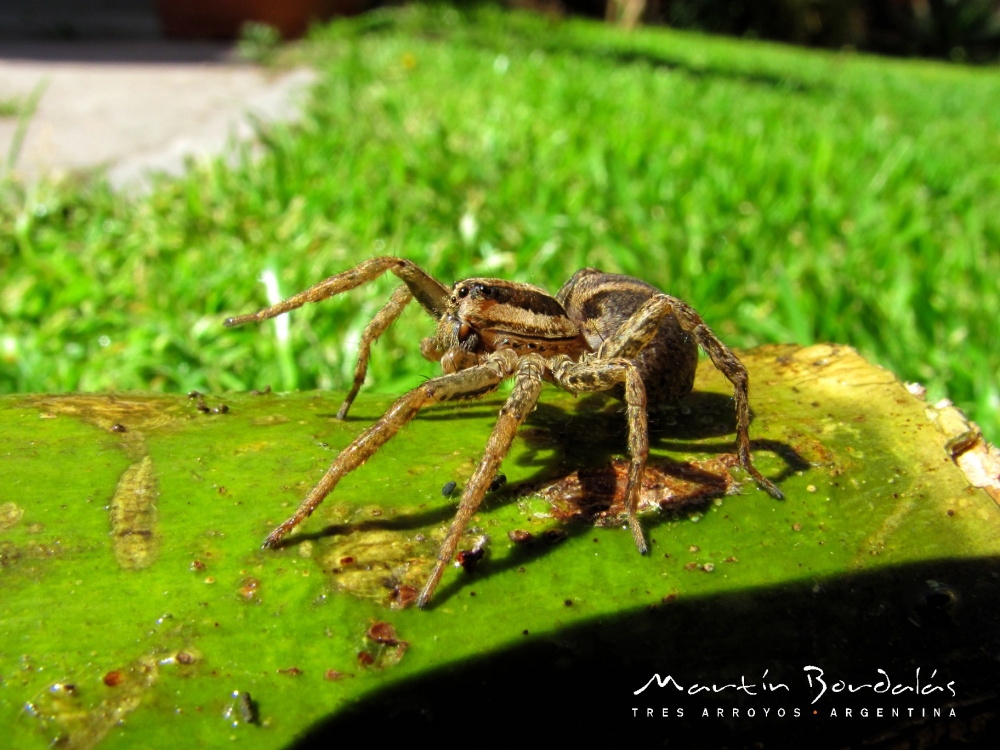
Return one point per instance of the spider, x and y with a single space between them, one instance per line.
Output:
601 332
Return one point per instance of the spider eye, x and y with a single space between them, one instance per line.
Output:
486 291
463 292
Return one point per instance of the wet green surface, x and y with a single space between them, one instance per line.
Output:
135 599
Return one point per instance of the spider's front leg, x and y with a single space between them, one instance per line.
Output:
527 384
639 330
594 374
385 318
474 381
429 292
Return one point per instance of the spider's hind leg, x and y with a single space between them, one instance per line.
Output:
735 372
647 318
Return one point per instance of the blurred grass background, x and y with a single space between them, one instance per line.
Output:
789 195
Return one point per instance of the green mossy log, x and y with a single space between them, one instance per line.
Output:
137 607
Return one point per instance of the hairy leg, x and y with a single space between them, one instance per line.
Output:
429 292
594 374
527 384
465 384
385 318
640 329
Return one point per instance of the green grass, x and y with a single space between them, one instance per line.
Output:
789 195
10 107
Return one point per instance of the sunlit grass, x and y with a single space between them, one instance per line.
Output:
10 107
788 195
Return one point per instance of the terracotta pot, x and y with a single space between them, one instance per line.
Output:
222 19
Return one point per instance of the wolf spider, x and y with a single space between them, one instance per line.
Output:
601 332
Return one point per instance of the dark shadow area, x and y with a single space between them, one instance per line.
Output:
117 52
408 522
582 443
69 20
580 683
596 430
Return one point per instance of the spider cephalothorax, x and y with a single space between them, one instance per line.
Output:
485 315
601 332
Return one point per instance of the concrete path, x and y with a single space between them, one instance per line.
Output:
133 107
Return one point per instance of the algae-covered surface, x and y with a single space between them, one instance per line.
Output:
137 607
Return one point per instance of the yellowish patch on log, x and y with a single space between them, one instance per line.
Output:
133 516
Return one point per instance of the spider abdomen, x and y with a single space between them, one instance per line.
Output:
601 303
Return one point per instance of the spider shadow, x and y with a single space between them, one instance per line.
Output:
415 522
596 431
588 438
445 412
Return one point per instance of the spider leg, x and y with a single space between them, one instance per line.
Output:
527 384
464 384
640 329
385 318
596 374
430 293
